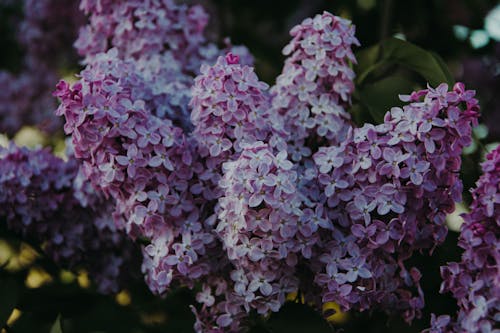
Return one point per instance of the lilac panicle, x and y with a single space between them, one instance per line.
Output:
45 33
387 190
316 84
140 29
147 165
251 193
46 199
258 224
231 107
475 281
164 40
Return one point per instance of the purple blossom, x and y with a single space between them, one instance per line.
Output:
474 281
40 193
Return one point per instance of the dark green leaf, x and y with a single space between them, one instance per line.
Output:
398 52
295 317
56 327
367 58
449 78
380 96
417 59
9 295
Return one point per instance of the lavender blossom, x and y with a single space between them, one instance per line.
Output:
316 84
475 281
47 200
387 203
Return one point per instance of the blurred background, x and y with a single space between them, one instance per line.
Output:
36 296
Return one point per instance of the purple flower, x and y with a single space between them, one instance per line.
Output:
392 160
132 161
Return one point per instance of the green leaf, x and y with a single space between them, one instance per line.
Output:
417 59
9 295
446 71
367 58
380 96
56 327
397 52
295 318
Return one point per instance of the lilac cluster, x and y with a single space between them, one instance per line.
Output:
45 34
152 28
213 191
26 100
388 188
48 201
259 226
47 31
146 165
475 281
164 40
231 107
316 84
138 28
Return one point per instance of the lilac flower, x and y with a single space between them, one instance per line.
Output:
474 281
328 158
392 160
357 269
41 193
45 41
316 74
389 168
242 189
132 160
332 182
363 208
415 170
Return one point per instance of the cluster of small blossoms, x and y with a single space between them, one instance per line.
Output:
47 200
387 189
48 30
164 39
146 164
25 97
316 84
231 107
475 281
141 28
137 28
259 226
224 206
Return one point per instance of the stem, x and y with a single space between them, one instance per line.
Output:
385 19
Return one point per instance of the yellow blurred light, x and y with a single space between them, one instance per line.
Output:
37 277
6 253
123 298
69 76
339 316
154 318
454 220
4 140
60 149
66 276
345 13
292 297
27 255
13 317
367 4
16 259
30 137
83 279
